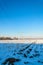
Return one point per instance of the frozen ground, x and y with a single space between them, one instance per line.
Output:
21 54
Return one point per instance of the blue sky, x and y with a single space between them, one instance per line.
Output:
21 18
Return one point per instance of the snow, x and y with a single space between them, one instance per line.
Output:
28 54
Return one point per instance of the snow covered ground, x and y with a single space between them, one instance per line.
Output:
22 41
21 54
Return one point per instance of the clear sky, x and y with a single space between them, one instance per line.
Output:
21 18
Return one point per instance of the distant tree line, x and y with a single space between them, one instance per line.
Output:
16 38
8 38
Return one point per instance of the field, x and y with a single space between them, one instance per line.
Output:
21 54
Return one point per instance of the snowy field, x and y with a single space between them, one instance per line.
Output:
22 41
21 54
